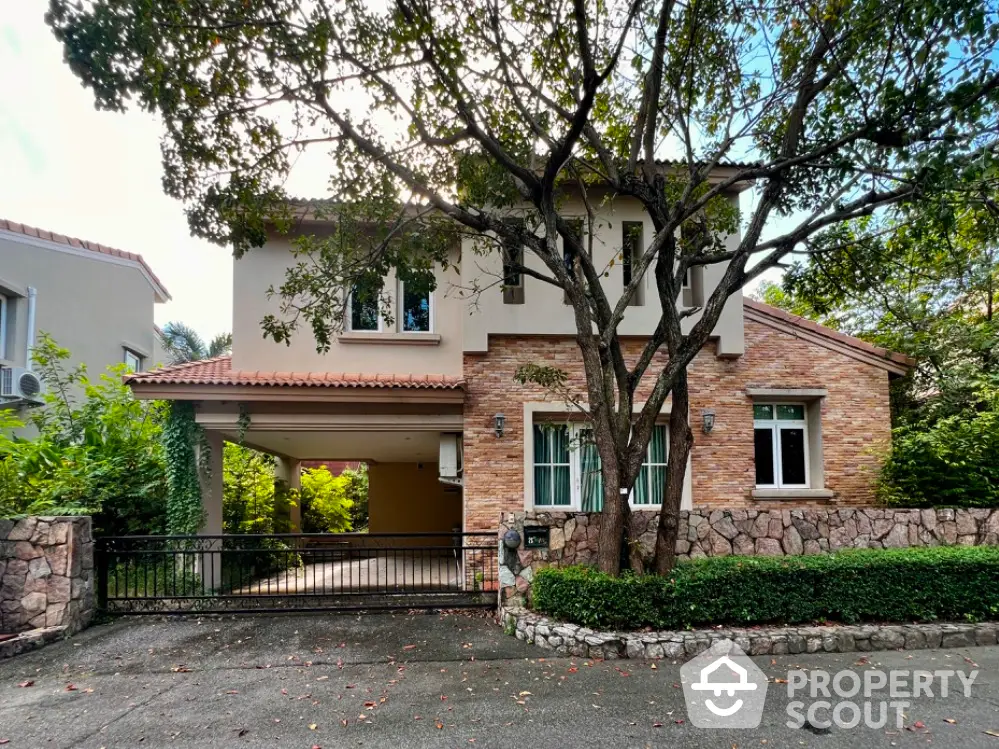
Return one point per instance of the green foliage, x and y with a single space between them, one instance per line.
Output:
903 585
327 506
182 343
949 460
247 490
97 451
183 438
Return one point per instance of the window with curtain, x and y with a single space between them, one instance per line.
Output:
552 467
582 469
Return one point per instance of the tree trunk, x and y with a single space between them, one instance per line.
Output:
613 519
680 441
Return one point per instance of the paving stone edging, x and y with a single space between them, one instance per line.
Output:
31 640
583 642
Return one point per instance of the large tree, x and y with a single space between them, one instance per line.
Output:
458 115
922 280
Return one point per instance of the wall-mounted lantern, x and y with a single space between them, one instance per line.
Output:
708 420
500 421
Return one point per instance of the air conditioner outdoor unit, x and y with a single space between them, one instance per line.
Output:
21 384
449 466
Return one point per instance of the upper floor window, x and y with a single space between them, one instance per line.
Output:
415 311
513 279
780 438
632 248
133 361
363 314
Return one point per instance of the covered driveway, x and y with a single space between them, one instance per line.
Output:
393 423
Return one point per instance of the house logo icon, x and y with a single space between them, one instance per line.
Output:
723 688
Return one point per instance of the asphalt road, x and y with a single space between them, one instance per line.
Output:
415 681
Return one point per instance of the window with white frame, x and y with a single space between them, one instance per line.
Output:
780 437
415 313
363 314
567 469
132 360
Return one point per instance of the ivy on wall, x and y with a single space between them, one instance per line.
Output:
184 440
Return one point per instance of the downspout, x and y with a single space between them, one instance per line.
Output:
29 340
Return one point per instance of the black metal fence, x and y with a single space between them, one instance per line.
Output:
296 571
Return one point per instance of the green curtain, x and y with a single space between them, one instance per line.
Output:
551 465
651 480
592 481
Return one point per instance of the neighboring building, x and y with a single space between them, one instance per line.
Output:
798 409
94 300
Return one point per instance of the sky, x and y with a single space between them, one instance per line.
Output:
68 168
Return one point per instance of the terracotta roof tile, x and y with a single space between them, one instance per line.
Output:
83 244
848 340
218 371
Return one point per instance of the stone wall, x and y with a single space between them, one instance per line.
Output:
46 573
713 533
583 642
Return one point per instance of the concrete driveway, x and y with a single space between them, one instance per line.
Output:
412 681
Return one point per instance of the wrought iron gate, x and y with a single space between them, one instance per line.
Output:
296 572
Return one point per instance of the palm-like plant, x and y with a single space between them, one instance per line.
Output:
182 343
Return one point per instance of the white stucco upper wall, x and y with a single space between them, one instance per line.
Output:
544 311
462 322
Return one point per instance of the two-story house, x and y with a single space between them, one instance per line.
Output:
92 299
429 401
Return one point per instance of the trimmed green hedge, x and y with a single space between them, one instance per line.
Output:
900 585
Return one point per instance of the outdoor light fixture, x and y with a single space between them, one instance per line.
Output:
500 420
708 417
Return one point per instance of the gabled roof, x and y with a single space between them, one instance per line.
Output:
219 371
72 244
821 335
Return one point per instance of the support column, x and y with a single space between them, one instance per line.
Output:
209 566
288 475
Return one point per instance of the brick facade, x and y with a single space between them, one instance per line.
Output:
855 417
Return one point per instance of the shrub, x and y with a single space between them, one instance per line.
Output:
97 451
862 585
952 460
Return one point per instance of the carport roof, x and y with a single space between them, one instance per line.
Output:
219 371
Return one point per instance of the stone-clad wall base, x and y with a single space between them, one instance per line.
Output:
583 642
46 573
715 533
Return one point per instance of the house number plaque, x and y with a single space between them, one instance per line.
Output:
536 537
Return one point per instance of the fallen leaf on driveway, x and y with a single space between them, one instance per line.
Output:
181 669
28 683
4 741
408 647
992 733
313 726
70 687
950 720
